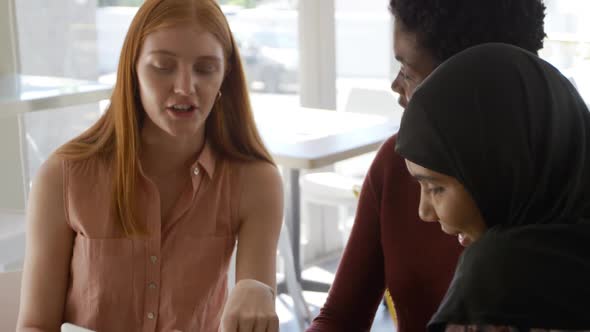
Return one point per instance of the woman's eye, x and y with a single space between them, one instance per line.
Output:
433 190
404 75
437 190
206 69
162 67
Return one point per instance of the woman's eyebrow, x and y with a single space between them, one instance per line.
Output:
166 52
403 60
423 177
210 58
202 57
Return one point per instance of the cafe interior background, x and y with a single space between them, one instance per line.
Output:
317 60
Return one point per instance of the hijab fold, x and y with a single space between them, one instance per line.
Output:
516 134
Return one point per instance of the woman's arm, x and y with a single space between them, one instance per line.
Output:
251 304
48 253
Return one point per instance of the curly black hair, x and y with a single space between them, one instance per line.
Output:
446 27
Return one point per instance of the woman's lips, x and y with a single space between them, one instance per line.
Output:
182 113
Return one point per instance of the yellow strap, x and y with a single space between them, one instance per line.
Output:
390 306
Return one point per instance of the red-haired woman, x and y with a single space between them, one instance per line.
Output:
132 224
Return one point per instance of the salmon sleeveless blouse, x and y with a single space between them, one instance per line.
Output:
175 278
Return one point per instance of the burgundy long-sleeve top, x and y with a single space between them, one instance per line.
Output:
389 246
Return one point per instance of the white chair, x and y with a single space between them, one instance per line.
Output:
331 189
12 240
336 188
9 300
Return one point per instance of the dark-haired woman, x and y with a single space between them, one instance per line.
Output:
389 247
499 142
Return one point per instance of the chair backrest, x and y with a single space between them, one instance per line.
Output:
9 300
381 102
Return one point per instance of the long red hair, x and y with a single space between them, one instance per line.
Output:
230 127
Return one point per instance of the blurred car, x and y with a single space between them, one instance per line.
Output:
270 59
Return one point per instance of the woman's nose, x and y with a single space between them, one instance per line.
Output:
426 210
185 83
396 86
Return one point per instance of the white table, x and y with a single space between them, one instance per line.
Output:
304 138
25 93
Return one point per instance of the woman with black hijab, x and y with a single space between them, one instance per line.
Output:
499 141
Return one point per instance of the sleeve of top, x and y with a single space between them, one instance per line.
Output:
358 287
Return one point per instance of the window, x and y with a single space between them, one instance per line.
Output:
567 45
364 56
267 37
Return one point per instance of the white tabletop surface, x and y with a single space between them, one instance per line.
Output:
25 93
306 138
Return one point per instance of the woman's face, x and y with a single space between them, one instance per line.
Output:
416 63
180 71
444 199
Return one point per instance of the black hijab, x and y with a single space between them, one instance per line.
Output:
516 134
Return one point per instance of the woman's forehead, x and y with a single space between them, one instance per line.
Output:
408 50
183 40
405 45
422 173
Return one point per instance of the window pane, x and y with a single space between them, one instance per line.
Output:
364 57
266 33
112 23
568 41
46 130
57 38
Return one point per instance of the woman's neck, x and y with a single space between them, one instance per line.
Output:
163 154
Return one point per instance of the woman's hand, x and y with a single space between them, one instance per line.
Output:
250 308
